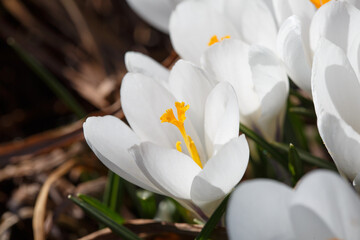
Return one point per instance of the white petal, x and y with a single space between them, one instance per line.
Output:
172 171
271 84
336 89
218 5
258 209
270 124
221 117
220 174
324 206
144 101
342 142
254 20
337 21
354 55
303 9
156 12
294 53
356 183
228 61
140 63
356 3
189 84
110 139
282 10
192 25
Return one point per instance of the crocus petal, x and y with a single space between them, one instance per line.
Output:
272 87
337 21
170 170
258 209
218 5
282 10
356 183
304 9
325 207
254 20
354 55
294 53
335 85
192 25
356 3
156 12
110 139
220 174
140 63
228 61
144 101
221 117
342 142
188 83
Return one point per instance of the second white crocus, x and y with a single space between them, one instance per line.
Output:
194 156
221 40
336 93
259 80
322 206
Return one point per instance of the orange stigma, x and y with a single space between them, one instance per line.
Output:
214 39
319 3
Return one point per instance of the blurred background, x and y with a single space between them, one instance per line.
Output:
62 60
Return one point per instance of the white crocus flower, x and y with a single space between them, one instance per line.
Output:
196 159
194 22
155 12
322 206
233 43
299 35
336 93
194 25
259 80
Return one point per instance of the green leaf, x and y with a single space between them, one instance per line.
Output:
113 191
294 131
265 145
122 231
102 208
131 190
295 164
307 157
59 90
303 112
147 203
213 221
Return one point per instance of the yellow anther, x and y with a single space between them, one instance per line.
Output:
178 146
319 3
169 117
195 154
214 39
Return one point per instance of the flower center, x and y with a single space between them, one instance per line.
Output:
215 39
169 117
319 3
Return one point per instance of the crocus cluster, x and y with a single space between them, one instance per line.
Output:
182 138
